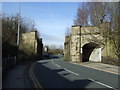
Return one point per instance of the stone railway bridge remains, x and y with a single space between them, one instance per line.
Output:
87 43
31 46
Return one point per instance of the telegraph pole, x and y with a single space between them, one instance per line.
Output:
18 34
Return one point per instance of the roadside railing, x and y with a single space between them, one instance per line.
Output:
8 62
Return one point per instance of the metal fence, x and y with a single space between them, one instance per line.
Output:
8 62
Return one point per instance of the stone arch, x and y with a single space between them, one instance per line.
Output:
91 52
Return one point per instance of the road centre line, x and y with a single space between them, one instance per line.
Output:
65 69
52 61
88 78
71 71
57 65
102 84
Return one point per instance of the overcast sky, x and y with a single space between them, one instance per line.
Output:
51 18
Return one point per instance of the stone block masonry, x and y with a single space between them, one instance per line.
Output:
31 45
88 43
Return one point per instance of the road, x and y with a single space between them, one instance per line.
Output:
57 73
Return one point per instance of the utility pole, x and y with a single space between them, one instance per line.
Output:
18 36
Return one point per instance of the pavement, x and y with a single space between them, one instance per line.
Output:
101 66
17 77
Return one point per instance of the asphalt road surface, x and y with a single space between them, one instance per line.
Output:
57 73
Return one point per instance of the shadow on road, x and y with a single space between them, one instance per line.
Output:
50 78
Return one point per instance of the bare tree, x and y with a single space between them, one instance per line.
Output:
115 17
82 15
9 32
68 31
95 13
92 13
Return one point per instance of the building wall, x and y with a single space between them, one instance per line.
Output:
67 47
75 44
39 48
30 45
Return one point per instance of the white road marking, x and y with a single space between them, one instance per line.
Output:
71 71
65 68
52 61
102 84
88 78
57 65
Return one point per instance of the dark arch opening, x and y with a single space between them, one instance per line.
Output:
87 50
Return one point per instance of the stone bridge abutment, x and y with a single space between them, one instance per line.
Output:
84 43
